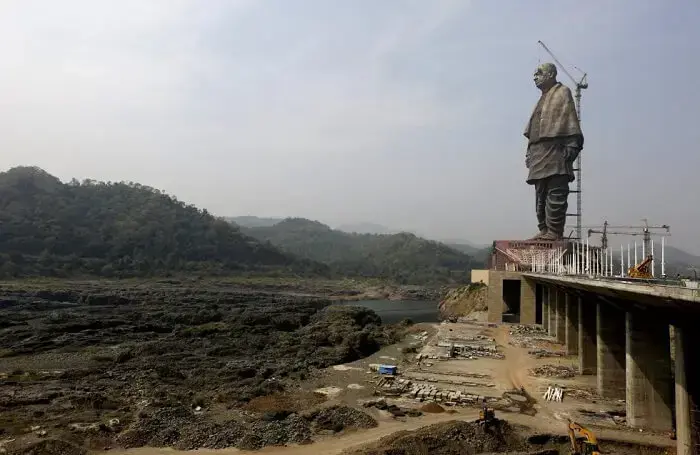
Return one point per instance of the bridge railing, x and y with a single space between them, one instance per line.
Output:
579 258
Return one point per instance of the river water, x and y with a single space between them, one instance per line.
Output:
392 311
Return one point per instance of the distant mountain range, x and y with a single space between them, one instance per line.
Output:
252 221
677 260
402 257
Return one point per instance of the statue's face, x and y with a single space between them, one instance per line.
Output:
543 76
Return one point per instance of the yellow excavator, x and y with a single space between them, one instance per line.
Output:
641 270
586 444
487 417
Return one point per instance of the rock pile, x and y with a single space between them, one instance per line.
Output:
554 371
527 330
180 428
392 408
449 438
543 353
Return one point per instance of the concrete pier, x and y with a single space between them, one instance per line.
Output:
545 308
587 337
648 371
687 374
528 304
610 322
571 336
560 330
552 299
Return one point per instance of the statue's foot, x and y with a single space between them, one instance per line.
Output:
550 236
538 236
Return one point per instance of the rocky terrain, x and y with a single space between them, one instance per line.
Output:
464 300
110 364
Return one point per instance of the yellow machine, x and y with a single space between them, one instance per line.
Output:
586 444
487 417
641 270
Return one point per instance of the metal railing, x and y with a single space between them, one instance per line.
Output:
583 259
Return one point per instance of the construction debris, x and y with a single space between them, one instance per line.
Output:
543 353
554 371
425 392
528 330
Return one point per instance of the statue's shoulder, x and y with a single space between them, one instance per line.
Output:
562 88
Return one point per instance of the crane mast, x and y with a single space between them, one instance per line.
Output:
579 85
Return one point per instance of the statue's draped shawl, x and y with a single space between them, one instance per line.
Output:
558 118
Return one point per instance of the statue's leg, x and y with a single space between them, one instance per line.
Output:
541 206
557 204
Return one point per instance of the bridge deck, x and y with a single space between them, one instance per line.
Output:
646 292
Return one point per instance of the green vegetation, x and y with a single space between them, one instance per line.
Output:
402 257
48 228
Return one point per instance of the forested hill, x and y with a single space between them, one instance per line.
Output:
118 229
401 257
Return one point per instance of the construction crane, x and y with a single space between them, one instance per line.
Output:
640 270
645 232
580 85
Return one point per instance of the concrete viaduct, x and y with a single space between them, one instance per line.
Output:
638 338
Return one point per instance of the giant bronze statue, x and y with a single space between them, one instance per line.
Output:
554 141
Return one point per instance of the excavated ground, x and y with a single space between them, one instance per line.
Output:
457 437
102 366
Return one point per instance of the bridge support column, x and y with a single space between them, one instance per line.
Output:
560 331
648 366
552 298
545 308
571 303
528 305
610 323
587 337
687 391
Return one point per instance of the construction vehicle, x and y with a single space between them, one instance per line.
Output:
586 444
641 270
487 417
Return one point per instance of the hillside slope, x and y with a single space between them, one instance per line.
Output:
116 229
402 257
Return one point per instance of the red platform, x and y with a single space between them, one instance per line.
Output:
517 255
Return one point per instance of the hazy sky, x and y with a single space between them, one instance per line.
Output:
404 113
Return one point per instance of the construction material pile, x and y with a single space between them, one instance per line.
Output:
426 392
554 371
545 353
530 330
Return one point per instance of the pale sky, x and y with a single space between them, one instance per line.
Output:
403 113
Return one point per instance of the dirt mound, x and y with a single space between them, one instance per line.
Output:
448 438
183 429
50 447
338 418
462 301
285 402
433 408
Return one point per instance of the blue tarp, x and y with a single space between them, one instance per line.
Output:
387 369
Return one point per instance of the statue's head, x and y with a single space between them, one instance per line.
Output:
545 76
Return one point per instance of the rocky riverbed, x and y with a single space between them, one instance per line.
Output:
109 364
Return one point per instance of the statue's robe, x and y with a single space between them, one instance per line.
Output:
554 135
